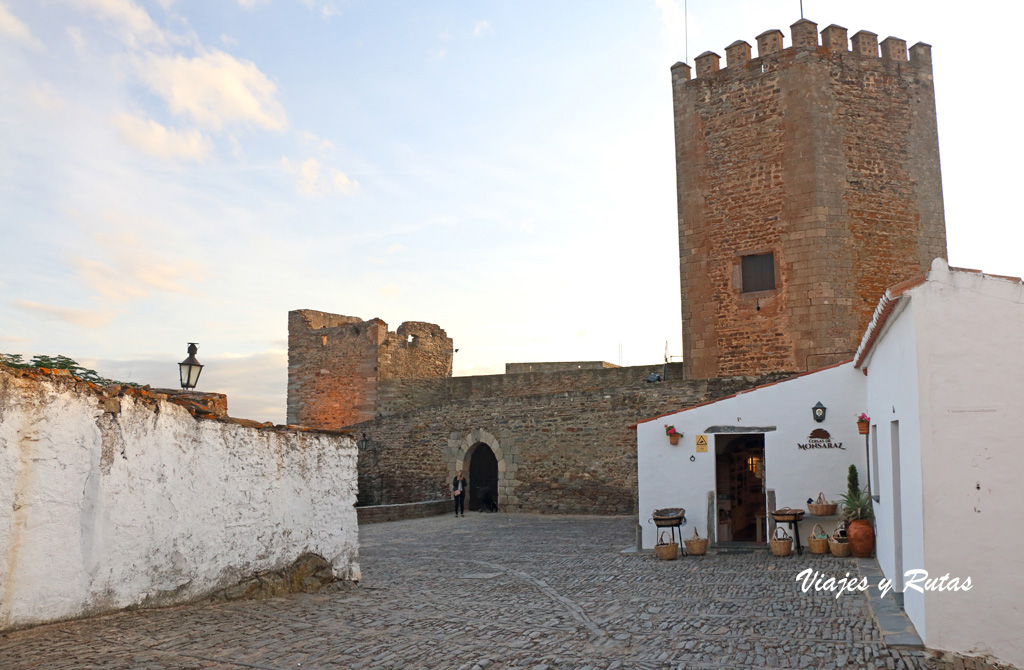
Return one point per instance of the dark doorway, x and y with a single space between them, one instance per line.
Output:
740 492
483 478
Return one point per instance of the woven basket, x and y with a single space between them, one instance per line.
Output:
697 546
788 514
670 516
840 549
817 546
666 551
822 507
781 546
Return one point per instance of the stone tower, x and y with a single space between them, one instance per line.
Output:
808 182
336 364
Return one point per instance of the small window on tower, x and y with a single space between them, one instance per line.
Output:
758 273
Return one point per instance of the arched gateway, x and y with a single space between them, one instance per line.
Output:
484 463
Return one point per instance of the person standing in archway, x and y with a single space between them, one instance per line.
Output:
459 493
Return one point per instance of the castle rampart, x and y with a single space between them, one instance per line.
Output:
336 364
815 170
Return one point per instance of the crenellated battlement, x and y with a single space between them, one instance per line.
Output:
804 36
818 159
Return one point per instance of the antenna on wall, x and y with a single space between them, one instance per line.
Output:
686 31
801 9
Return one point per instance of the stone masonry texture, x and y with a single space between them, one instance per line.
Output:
560 435
336 364
825 157
569 451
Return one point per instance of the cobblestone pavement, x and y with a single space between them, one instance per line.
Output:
496 591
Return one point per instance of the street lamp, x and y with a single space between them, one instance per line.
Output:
190 368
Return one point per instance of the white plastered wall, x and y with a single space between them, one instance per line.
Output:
668 478
970 348
103 511
893 395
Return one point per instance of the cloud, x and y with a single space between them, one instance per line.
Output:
136 26
228 39
481 28
315 178
45 97
390 290
216 89
78 317
76 37
322 146
395 248
130 270
156 140
249 4
15 29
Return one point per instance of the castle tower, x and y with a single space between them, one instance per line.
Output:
808 182
336 364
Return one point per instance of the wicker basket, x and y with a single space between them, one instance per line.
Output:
788 514
668 517
837 544
822 507
817 546
697 546
666 551
781 546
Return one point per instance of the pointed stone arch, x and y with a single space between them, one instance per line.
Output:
460 450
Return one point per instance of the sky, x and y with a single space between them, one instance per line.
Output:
183 171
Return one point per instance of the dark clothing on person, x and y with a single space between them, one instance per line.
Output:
460 500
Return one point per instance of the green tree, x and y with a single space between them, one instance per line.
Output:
58 362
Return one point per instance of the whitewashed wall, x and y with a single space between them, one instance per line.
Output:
969 332
893 395
668 478
101 511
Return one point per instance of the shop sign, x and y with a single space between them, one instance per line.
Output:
820 439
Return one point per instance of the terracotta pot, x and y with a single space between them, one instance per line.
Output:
863 427
861 536
673 439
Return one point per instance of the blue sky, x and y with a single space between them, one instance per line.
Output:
176 171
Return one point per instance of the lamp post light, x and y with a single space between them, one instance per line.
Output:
818 411
190 368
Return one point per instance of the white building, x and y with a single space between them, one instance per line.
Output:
940 371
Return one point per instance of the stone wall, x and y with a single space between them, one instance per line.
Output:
557 366
568 452
401 395
336 364
118 497
825 157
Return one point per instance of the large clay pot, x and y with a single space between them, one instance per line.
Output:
861 536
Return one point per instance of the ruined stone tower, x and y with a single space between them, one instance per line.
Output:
808 182
337 363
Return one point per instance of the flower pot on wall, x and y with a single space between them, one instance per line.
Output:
861 536
673 439
863 427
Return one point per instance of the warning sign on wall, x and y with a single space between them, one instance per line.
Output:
702 443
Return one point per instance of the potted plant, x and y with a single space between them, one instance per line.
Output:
857 510
863 423
673 436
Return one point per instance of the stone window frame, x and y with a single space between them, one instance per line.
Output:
737 274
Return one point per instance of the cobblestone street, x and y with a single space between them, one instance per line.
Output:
501 591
